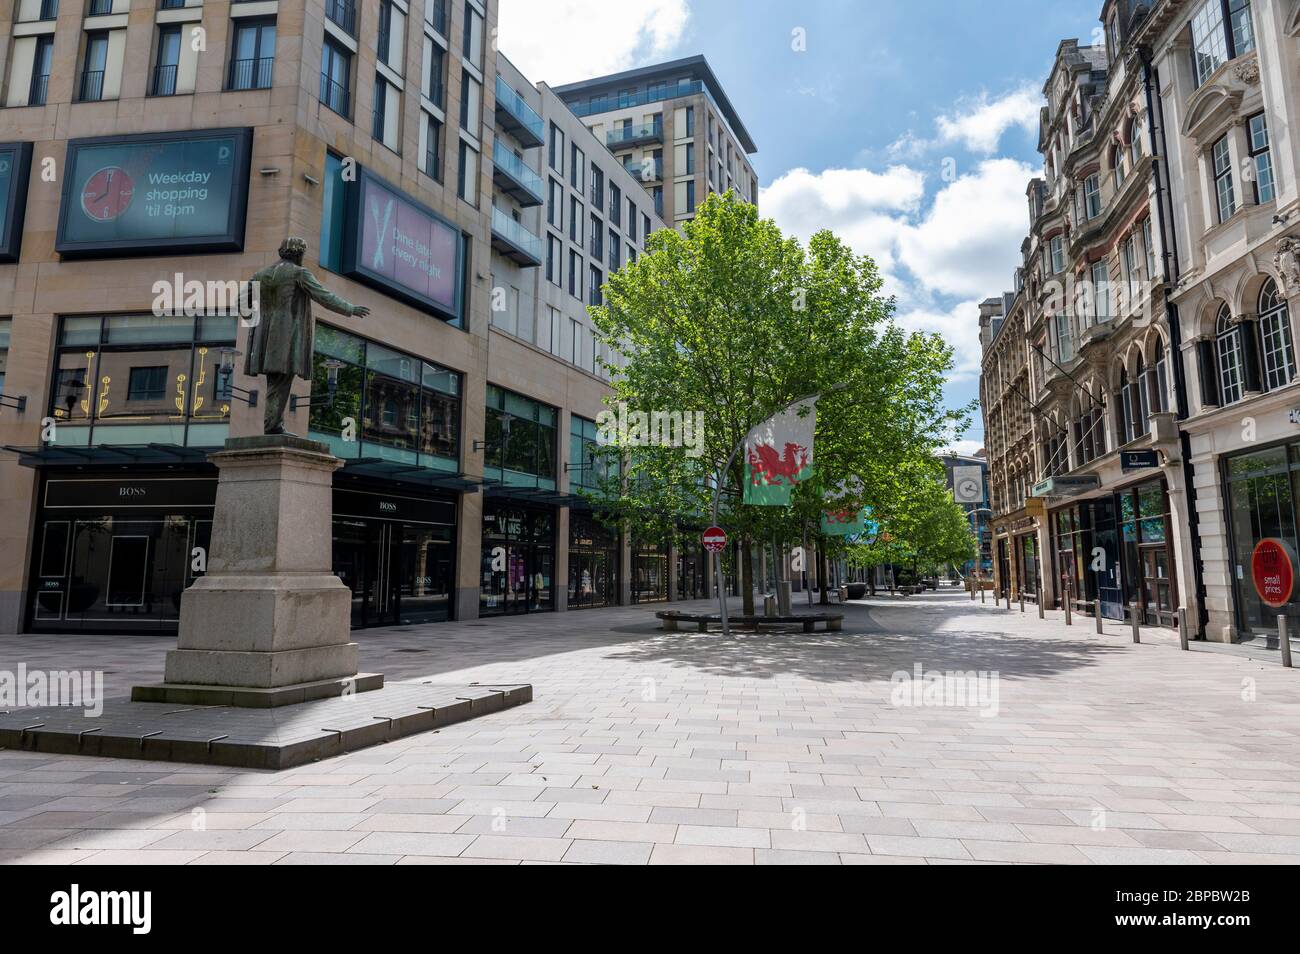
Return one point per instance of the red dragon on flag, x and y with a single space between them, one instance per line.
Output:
770 476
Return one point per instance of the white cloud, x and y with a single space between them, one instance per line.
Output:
980 122
968 243
544 39
964 448
867 209
959 327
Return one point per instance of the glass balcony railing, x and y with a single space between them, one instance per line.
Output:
603 104
517 169
523 241
517 117
634 133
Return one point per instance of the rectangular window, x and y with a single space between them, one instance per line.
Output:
690 120
575 220
1057 248
1149 247
472 42
253 56
379 126
575 274
645 228
1223 187
577 169
631 220
335 74
147 384
1265 188
1209 40
42 58
554 260
434 79
1101 291
615 204
597 187
555 204
596 236
556 149
593 288
575 342
92 74
690 196
1092 195
467 182
471 98
432 147
614 246
169 55
520 434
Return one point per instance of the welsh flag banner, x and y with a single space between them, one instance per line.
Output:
844 523
779 454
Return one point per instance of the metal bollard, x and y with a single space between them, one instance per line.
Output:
1040 603
1133 612
1182 627
1096 609
982 596
1022 601
1065 601
972 592
1283 640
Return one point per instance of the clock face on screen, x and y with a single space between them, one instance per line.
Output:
107 194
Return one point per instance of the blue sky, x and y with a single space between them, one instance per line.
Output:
906 126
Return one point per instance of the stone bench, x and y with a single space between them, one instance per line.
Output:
672 620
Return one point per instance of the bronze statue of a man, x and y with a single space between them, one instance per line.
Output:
280 346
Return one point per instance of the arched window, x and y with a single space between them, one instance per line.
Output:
1227 338
1119 162
1134 144
1275 336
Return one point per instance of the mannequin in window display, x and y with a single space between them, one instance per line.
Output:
280 344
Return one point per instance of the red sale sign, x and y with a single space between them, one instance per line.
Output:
1273 571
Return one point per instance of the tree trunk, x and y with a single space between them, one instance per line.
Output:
823 576
747 578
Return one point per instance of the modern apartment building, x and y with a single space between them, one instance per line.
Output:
674 128
1156 295
165 150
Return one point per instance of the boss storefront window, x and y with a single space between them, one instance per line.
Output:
113 553
1262 490
649 572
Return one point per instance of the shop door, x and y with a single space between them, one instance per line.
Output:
1157 587
1105 568
516 578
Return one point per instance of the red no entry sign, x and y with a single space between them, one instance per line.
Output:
715 539
1272 571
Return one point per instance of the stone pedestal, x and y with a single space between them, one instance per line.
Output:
269 623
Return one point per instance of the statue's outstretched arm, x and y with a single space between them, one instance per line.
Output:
323 296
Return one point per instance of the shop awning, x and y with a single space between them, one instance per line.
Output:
534 495
107 455
1066 486
426 477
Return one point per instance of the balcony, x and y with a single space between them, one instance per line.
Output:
164 80
251 74
646 171
514 241
635 135
344 14
517 117
91 88
603 104
334 95
514 177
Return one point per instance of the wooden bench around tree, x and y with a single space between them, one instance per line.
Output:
672 620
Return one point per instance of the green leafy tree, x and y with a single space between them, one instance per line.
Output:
735 319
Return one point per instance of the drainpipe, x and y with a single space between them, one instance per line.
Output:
1169 274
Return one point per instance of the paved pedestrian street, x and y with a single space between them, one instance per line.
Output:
1054 745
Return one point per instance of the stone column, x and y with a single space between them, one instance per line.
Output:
269 623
